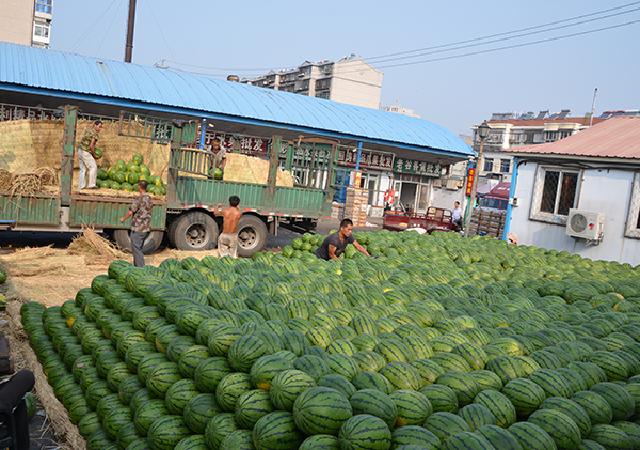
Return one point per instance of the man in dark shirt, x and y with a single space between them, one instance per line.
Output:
334 244
141 210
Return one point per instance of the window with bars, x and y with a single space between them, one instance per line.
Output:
43 6
559 191
632 228
488 165
505 165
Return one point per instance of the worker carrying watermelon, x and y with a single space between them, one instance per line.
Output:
87 156
335 244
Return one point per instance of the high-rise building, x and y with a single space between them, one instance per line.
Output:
349 80
26 22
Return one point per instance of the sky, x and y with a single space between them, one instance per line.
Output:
198 35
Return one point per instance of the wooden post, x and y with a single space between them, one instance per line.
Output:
289 161
68 150
172 173
328 187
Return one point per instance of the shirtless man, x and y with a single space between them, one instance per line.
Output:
228 240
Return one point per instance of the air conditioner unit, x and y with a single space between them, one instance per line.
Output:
585 225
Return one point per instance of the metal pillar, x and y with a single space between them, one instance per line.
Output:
128 50
512 193
203 133
358 155
474 187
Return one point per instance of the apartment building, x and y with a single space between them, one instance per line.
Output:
349 80
26 22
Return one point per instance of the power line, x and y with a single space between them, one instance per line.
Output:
162 35
93 24
489 36
442 47
104 35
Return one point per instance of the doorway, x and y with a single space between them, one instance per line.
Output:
408 195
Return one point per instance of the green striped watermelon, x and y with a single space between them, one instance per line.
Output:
210 372
402 375
595 405
244 351
337 382
571 409
372 380
230 388
559 426
375 403
413 407
415 436
321 410
444 425
466 440
611 437
473 354
194 442
238 440
588 444
89 424
166 432
632 429
277 431
525 395
531 436
499 438
462 384
191 358
428 371
320 442
251 406
219 427
621 402
553 383
364 432
162 377
342 365
266 367
179 395
485 379
199 411
477 415
148 413
286 386
442 398
312 365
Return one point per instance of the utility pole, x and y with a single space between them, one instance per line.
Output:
481 133
128 50
593 106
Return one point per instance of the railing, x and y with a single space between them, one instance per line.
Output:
191 160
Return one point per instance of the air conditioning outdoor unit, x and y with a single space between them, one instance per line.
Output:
585 225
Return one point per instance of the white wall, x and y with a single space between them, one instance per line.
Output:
357 83
444 198
601 191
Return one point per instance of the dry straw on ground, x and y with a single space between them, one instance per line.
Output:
93 246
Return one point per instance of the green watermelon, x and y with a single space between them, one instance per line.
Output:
559 426
166 432
364 432
277 431
320 410
286 386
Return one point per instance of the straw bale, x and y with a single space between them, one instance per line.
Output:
249 169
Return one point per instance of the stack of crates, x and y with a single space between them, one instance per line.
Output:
487 222
356 206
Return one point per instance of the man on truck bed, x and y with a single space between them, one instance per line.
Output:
140 209
228 240
336 243
87 156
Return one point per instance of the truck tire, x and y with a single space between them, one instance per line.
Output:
151 244
194 231
252 235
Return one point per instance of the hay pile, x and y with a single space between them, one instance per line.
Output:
95 247
28 184
240 168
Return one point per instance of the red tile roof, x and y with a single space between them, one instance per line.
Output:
613 138
541 122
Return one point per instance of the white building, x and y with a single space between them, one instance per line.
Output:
26 22
349 80
596 171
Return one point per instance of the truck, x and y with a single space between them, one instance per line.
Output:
186 216
435 219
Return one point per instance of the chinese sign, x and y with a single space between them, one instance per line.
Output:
413 167
471 175
248 145
369 159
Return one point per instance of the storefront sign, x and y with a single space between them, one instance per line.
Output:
471 175
238 144
369 160
413 167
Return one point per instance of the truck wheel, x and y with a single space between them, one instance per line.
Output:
151 244
252 235
194 231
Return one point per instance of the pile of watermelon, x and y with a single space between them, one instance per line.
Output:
125 176
444 343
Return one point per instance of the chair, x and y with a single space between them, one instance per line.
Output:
14 423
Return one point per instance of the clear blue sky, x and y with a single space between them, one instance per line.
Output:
455 93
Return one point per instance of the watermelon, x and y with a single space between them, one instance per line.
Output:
244 351
375 403
402 375
195 442
251 406
179 395
595 405
462 384
162 377
277 431
442 398
572 410
531 436
208 373
553 384
621 402
198 411
476 416
166 432
218 428
337 382
499 405
467 440
416 436
238 440
89 424
148 413
320 442
312 365
444 425
632 429
191 358
428 371
372 380
610 437
321 410
525 395
485 379
413 407
499 438
286 386
230 388
364 432
266 367
562 429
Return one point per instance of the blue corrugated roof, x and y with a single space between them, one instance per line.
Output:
59 71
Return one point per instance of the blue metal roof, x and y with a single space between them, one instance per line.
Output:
154 88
